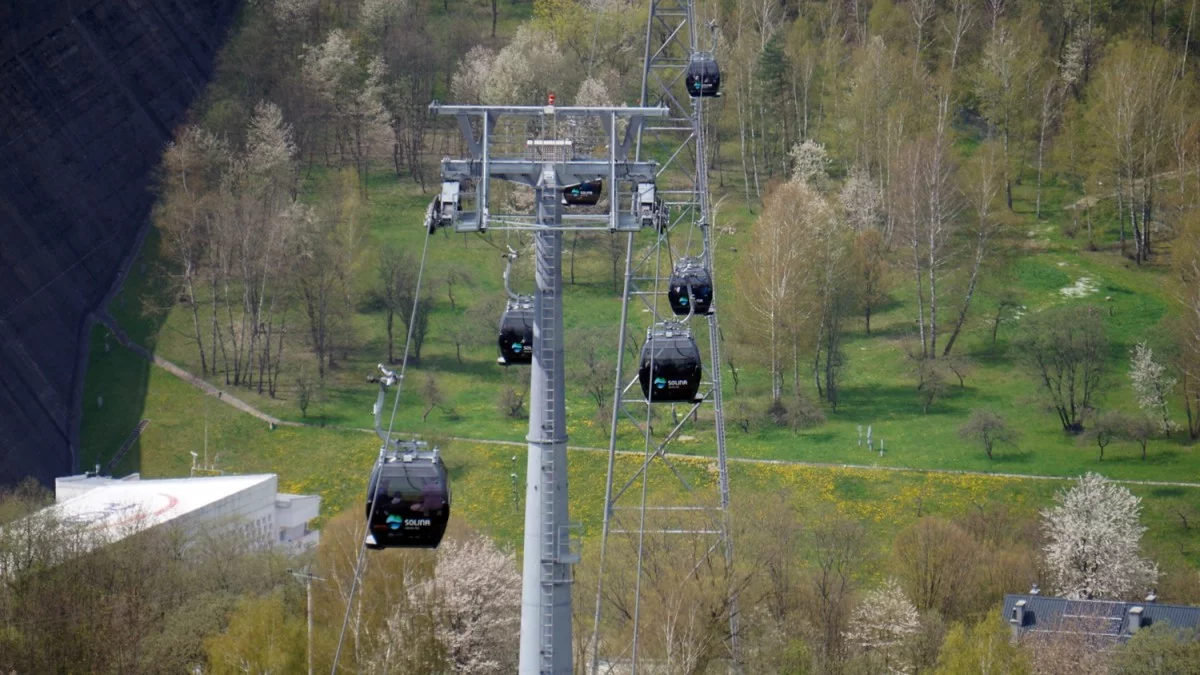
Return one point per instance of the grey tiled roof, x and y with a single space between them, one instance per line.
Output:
1109 619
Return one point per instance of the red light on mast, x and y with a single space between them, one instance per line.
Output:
550 98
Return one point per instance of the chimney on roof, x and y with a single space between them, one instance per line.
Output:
1017 618
1135 619
1035 590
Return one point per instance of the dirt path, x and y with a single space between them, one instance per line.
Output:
122 337
232 400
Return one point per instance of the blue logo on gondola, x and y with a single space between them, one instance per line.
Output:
683 301
518 346
660 382
394 522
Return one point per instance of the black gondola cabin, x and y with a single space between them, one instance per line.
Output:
516 332
670 369
586 193
690 284
703 75
408 499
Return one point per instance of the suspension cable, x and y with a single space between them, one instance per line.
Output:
637 585
362 549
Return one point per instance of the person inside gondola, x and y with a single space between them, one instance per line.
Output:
431 497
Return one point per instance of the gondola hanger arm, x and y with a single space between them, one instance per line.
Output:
510 257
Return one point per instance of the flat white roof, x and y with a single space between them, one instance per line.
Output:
140 504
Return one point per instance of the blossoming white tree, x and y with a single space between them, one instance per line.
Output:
1094 536
862 200
809 163
882 622
476 597
1151 385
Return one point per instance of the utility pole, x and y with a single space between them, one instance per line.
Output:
308 578
500 144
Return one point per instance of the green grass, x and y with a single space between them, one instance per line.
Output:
878 391
335 464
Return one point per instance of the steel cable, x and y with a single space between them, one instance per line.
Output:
362 549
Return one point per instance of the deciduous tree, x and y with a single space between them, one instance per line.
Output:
1067 350
985 647
838 554
1159 648
263 637
925 201
771 280
934 560
1094 541
882 623
870 270
1004 86
1107 427
987 428
1151 385
982 186
476 636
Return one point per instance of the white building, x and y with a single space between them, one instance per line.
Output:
117 508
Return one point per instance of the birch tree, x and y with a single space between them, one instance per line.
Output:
1134 90
984 179
1094 541
1186 266
331 244
926 202
184 214
349 94
1004 88
230 221
956 25
771 280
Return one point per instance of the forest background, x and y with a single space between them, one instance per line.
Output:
967 226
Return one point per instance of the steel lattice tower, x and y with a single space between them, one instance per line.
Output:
547 149
680 141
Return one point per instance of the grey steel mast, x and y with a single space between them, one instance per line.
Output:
672 39
547 163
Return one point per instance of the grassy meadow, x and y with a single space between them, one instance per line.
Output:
333 460
1038 265
879 388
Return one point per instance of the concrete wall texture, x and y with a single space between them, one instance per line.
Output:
90 91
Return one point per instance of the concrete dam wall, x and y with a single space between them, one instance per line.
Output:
90 92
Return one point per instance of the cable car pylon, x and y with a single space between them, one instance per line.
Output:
681 76
500 146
